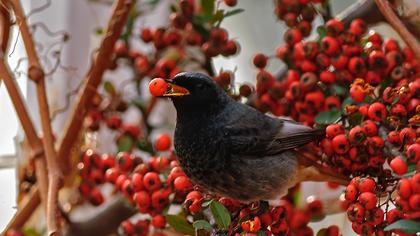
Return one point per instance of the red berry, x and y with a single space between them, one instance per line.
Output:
357 135
393 215
356 66
377 60
158 87
375 216
96 197
330 46
137 182
370 128
163 142
351 193
356 212
327 77
334 27
407 135
394 138
142 199
182 183
358 27
260 60
357 93
111 175
377 111
125 161
404 188
340 144
368 200
398 165
414 202
366 185
146 35
292 36
413 152
159 221
151 181
334 130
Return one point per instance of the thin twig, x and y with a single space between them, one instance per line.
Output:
30 203
36 73
93 78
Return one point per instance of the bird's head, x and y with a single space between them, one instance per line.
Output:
195 91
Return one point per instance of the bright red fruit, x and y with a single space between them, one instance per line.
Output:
158 87
398 165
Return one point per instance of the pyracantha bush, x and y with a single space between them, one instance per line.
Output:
361 87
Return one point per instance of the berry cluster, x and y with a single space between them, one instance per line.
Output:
355 150
408 198
150 186
361 88
297 15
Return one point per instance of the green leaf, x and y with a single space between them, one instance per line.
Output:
338 90
368 99
407 226
109 88
346 102
145 145
261 233
180 224
412 169
202 224
328 117
125 143
322 32
218 16
234 12
207 6
206 203
221 214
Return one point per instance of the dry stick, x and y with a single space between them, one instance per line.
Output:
35 72
116 24
25 211
5 23
33 140
392 18
114 29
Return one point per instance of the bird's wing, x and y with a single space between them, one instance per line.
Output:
253 134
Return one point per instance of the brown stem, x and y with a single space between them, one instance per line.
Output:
92 80
30 203
6 23
36 74
386 9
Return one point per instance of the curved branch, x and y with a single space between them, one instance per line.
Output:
36 74
386 9
5 23
30 203
92 80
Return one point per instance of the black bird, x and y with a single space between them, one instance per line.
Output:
233 150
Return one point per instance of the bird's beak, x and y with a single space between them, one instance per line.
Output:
175 90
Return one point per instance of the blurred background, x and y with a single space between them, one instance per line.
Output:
256 30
